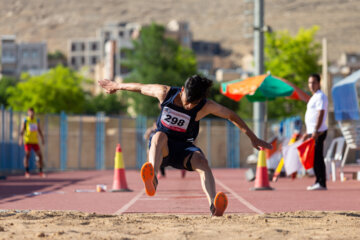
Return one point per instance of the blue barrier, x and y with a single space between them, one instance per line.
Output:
55 131
100 141
63 141
140 142
232 146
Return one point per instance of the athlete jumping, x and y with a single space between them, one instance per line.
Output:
178 127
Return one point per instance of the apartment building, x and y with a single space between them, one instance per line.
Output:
84 52
22 57
180 32
92 51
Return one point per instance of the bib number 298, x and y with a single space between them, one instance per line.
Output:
174 120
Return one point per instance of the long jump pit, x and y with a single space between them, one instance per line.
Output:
52 208
78 225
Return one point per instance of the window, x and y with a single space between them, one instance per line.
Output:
353 59
94 46
93 60
82 46
73 47
121 34
82 60
34 54
123 53
73 61
25 54
5 53
107 36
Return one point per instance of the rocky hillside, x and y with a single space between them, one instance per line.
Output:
56 21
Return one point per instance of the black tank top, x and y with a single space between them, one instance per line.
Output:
176 122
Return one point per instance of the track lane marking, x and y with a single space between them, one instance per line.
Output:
238 197
130 203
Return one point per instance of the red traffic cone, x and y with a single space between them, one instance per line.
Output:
119 184
262 178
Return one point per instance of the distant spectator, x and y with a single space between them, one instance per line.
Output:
29 136
315 121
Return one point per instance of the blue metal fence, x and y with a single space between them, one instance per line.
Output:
83 135
100 141
232 146
140 142
63 141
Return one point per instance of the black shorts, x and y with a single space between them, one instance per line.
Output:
178 151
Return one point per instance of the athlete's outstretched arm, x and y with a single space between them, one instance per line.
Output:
216 109
153 90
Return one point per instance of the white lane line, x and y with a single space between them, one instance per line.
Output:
242 200
130 203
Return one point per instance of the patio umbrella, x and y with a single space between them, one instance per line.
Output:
262 88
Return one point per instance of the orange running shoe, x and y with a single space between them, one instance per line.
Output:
42 175
147 175
220 204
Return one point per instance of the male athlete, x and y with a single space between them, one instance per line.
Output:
177 128
28 134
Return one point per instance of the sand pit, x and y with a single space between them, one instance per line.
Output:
77 225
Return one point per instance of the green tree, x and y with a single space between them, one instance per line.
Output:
5 83
156 59
110 104
292 58
52 92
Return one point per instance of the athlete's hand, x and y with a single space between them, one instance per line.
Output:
258 143
109 86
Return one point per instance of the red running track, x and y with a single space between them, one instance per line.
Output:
174 194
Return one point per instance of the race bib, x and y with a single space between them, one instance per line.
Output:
33 127
174 120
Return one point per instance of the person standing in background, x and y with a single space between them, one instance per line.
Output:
29 136
315 121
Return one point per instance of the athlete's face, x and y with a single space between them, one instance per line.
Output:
30 113
187 105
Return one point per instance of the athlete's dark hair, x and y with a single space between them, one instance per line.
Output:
31 109
197 87
316 76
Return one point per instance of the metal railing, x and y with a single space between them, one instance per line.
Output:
75 142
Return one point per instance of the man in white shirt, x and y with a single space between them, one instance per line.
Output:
315 121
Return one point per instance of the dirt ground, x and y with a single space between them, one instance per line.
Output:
78 225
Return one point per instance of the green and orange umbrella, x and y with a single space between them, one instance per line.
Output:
262 88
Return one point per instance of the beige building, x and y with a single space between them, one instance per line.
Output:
180 31
91 51
22 57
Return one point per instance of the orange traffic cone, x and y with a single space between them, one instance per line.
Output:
119 184
262 178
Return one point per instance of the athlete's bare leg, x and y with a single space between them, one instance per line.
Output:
158 150
41 162
26 159
200 164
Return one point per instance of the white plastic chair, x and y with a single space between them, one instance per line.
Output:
333 155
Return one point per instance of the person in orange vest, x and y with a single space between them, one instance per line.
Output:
177 128
29 136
